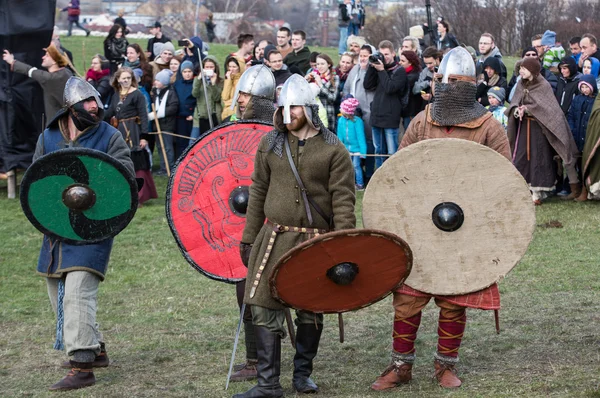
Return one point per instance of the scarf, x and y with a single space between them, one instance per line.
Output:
95 75
492 81
342 75
133 65
408 69
325 79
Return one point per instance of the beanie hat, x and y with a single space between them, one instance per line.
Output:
549 38
167 46
361 41
528 49
498 93
589 81
532 65
186 65
57 56
138 73
164 76
268 49
349 105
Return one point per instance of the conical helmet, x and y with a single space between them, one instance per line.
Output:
258 81
457 64
295 91
77 90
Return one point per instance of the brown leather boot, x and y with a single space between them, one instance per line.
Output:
446 375
101 360
392 377
575 192
246 372
583 196
80 376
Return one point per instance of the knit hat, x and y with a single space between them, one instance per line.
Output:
167 46
498 93
138 73
268 49
528 49
349 105
60 59
361 41
589 81
549 38
416 31
532 65
164 76
186 65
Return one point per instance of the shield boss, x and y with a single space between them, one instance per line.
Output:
464 209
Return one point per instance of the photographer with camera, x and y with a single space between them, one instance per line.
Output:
388 80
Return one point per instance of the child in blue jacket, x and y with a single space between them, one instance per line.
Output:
351 131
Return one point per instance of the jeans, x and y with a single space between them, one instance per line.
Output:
353 29
343 39
358 172
81 332
76 23
390 141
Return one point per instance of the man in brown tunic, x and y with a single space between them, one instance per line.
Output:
280 216
454 113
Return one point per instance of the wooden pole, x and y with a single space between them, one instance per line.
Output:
162 143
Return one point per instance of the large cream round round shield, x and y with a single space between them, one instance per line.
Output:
464 210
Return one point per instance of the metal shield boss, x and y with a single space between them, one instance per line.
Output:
207 197
464 209
341 271
79 196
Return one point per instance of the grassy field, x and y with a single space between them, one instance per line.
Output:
169 330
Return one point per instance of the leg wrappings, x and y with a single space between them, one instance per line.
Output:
405 334
450 333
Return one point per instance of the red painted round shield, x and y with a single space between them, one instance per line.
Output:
341 271
207 198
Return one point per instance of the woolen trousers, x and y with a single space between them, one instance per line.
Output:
81 332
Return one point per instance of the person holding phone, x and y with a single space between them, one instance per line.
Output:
214 87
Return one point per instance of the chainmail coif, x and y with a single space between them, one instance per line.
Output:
455 103
262 109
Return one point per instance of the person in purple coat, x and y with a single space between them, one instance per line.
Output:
73 12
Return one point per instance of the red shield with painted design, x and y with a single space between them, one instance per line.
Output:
207 198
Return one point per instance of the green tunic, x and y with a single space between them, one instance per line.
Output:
326 170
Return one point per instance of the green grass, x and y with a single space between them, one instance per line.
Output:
169 330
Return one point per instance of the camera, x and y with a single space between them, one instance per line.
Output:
183 42
375 58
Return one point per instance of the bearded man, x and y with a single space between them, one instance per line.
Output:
454 113
73 273
302 185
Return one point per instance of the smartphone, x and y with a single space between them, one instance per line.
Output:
182 43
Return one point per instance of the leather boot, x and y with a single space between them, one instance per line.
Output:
307 344
583 196
80 376
247 371
101 360
393 376
575 192
268 367
445 374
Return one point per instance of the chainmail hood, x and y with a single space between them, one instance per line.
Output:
455 103
276 137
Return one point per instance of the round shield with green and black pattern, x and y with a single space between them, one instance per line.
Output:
79 196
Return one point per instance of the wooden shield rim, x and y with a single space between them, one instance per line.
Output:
170 187
332 235
517 176
80 151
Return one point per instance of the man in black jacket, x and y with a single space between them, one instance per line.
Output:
388 80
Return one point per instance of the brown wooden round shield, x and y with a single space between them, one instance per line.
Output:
341 271
464 209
